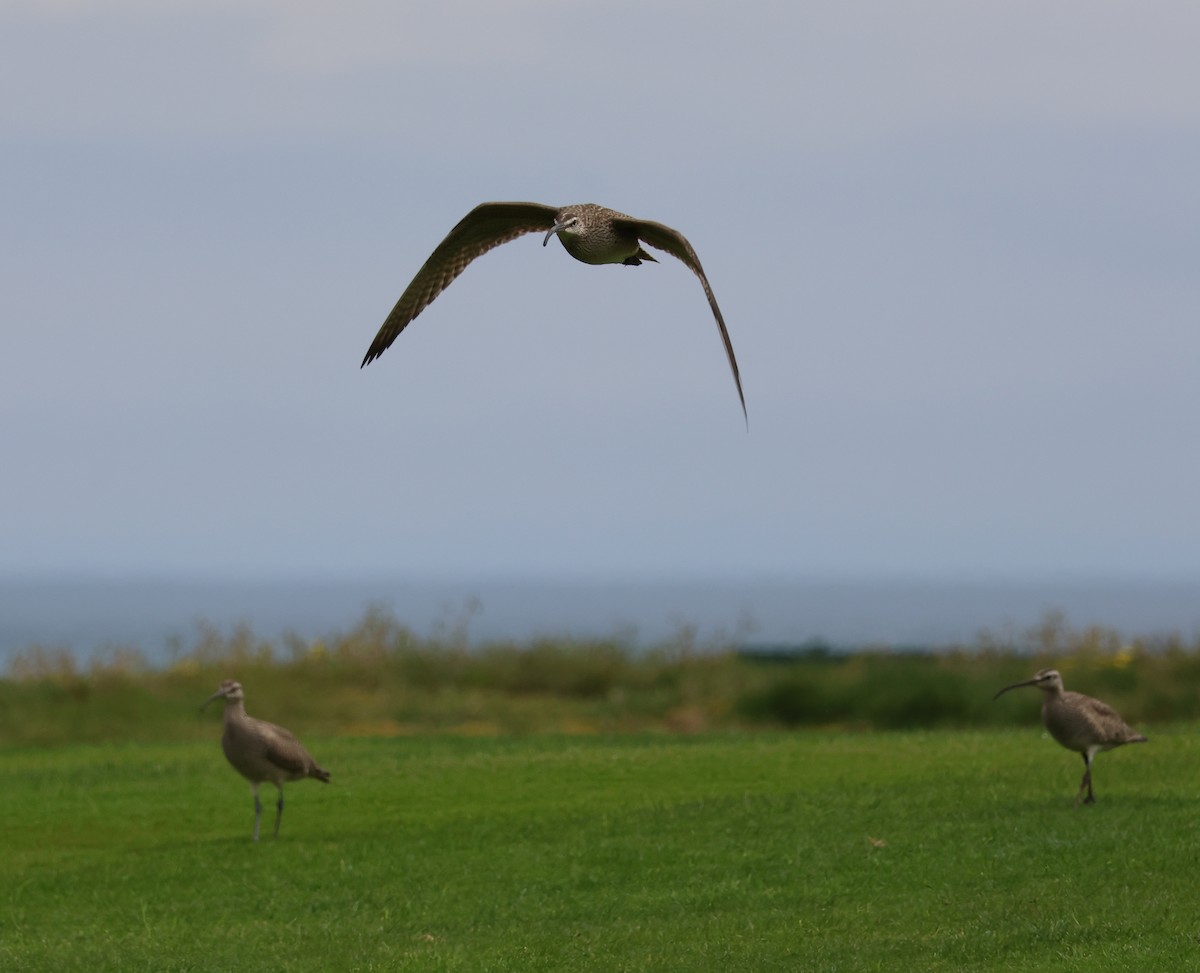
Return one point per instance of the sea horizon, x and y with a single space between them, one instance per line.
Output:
158 616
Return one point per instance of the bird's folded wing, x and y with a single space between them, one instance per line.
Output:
1098 709
283 750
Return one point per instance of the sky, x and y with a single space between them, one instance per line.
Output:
956 246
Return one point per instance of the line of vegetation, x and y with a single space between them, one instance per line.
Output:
380 679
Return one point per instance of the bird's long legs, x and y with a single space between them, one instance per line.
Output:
1086 783
258 811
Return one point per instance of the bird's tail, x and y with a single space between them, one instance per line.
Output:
638 257
320 773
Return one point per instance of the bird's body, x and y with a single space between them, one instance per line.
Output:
1080 723
589 233
262 752
599 235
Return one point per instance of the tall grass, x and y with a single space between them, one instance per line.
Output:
380 679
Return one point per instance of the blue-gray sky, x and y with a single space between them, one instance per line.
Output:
956 245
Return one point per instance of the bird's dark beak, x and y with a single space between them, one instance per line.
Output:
215 695
554 229
1015 685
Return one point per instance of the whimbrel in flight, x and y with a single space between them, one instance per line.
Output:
261 751
590 233
1079 723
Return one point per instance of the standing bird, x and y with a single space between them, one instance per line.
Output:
1079 723
261 751
590 233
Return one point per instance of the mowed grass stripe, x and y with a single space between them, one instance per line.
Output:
812 851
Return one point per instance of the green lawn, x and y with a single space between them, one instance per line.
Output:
810 851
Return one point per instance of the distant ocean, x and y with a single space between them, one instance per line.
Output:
87 614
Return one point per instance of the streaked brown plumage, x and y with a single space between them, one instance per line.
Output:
1078 722
590 233
260 751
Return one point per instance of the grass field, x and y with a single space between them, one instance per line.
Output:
910 851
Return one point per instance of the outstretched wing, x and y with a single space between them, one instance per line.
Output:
675 243
487 226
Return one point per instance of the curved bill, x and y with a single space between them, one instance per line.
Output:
1015 685
560 225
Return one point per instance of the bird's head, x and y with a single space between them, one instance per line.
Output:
565 221
230 689
1045 679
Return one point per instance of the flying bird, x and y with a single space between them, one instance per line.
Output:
590 233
